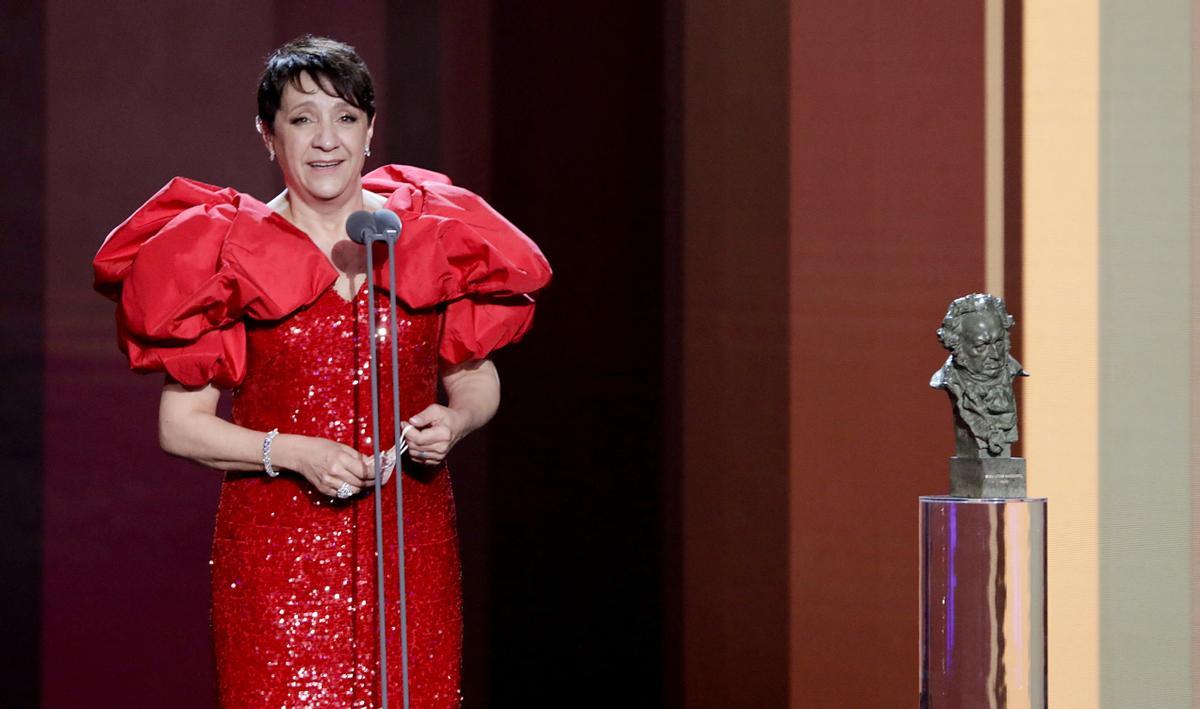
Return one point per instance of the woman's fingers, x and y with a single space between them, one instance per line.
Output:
346 472
367 462
430 414
425 457
360 466
350 473
354 468
423 439
429 446
339 484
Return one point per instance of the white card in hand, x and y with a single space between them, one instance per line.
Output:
387 459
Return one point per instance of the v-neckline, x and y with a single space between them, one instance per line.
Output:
288 225
357 293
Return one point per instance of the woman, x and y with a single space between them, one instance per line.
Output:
220 290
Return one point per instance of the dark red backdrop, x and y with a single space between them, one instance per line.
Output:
135 93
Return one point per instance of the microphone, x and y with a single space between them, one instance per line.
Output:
361 227
387 222
366 228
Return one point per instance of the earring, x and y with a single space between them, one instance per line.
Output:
271 154
367 152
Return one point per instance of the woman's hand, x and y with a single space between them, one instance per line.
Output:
437 429
326 465
189 427
473 393
473 390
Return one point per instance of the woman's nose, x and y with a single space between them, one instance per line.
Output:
325 138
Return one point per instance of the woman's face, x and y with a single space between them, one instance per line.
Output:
319 141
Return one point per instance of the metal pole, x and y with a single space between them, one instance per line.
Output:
379 578
399 474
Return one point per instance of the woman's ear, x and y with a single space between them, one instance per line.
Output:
265 133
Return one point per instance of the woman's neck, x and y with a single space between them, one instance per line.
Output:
322 221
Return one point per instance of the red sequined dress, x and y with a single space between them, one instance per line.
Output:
213 286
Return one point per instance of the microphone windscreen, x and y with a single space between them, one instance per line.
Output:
360 226
386 220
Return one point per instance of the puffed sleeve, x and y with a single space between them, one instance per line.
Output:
189 265
456 250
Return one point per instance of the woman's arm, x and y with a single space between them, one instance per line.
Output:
473 395
188 427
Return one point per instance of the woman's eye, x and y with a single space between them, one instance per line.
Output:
299 119
349 119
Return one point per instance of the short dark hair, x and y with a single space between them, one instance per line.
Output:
335 66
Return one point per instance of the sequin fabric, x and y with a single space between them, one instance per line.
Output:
294 611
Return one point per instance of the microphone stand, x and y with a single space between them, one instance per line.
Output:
365 229
389 225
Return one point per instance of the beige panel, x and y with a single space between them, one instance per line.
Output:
1195 359
1144 541
1061 50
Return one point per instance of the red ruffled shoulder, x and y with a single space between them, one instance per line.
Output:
188 265
455 249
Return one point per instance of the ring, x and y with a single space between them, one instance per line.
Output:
344 491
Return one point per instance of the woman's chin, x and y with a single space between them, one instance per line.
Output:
326 188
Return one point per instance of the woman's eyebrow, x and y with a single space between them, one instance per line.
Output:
309 103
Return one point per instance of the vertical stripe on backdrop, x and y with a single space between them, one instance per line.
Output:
1059 332
1144 343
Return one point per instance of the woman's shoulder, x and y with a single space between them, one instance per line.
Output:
190 263
405 187
391 177
184 194
453 241
193 217
456 250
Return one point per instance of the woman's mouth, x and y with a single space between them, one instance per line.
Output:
324 164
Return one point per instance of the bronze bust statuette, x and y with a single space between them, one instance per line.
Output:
978 376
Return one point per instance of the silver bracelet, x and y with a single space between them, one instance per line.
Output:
267 453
